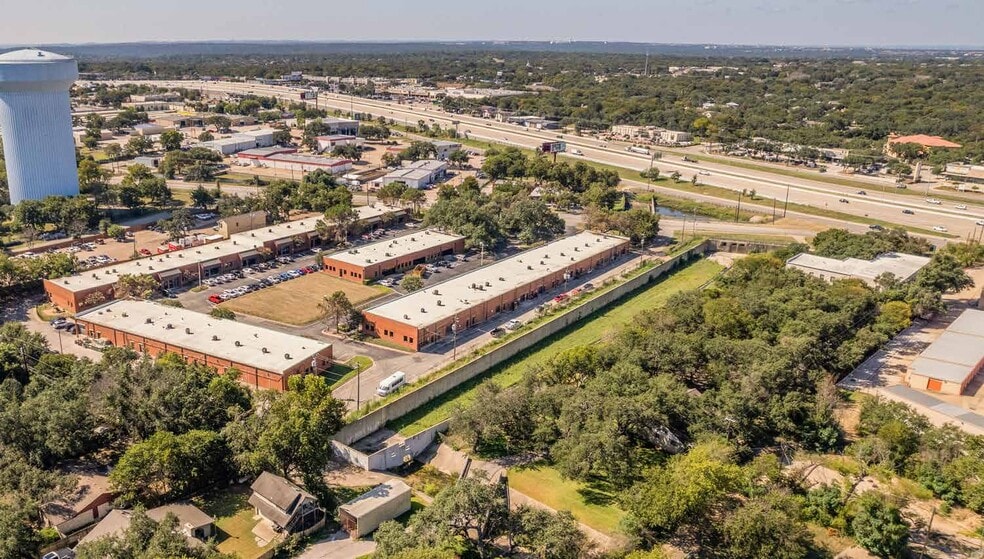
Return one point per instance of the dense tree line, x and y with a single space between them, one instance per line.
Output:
170 428
679 410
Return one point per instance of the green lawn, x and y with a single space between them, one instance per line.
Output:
234 520
339 373
588 331
590 503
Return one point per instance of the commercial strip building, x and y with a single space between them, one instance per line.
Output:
419 174
265 358
373 261
951 362
240 142
661 135
431 314
902 266
289 159
180 267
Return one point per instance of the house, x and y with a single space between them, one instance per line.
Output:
285 505
196 526
90 502
365 513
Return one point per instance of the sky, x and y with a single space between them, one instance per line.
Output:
750 22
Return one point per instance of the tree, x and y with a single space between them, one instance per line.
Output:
766 528
117 232
206 136
222 312
155 189
531 221
341 217
391 193
167 466
90 173
458 158
549 535
414 198
113 151
140 286
651 173
292 435
878 526
138 145
411 283
220 122
171 140
202 198
147 539
336 306
178 225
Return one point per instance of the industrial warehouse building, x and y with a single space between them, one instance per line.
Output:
328 143
265 358
288 159
431 314
445 148
341 126
240 142
419 174
180 267
951 362
373 261
902 266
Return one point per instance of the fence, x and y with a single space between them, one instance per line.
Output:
375 420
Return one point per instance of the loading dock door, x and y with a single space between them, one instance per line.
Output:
934 385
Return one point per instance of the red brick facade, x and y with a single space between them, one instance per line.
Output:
249 375
376 270
414 338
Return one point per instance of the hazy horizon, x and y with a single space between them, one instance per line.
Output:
822 23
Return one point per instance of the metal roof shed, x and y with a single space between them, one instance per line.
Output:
365 513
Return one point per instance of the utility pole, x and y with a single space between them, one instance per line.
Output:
786 203
738 210
773 210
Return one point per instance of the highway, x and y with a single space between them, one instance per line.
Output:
882 205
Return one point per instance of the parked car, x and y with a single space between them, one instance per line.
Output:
513 324
588 286
961 206
939 229
496 332
875 227
561 298
933 201
214 299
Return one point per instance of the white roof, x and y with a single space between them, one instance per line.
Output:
235 244
457 294
376 497
407 173
308 159
194 331
257 133
958 351
32 56
428 164
394 248
902 266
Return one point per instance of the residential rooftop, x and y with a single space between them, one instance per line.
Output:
374 498
231 340
902 266
957 352
394 248
239 243
448 298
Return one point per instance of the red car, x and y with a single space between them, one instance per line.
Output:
560 298
145 252
214 299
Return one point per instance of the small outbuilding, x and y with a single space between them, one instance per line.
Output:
365 513
954 359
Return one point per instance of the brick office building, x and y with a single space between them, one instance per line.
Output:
373 261
265 358
429 315
186 266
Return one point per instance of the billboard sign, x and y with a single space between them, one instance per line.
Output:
553 147
309 95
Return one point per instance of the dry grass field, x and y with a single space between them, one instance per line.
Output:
296 301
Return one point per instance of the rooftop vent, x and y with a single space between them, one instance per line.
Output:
215 338
541 262
423 310
149 321
169 326
388 254
94 276
188 331
288 226
239 343
439 303
577 249
502 278
436 292
252 234
269 230
562 254
406 317
488 284
138 263
125 315
180 255
286 356
265 350
217 246
529 267
198 252
114 270
412 239
572 259
150 267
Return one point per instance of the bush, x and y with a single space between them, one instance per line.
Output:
878 526
221 312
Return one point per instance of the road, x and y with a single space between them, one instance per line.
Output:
886 206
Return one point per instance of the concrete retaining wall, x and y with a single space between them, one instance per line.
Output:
412 400
396 455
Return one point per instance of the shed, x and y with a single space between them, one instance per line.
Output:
365 513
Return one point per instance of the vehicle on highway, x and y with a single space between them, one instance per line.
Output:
513 324
637 149
844 201
908 212
705 173
391 383
980 222
875 227
961 206
576 152
939 229
561 298
933 201
862 193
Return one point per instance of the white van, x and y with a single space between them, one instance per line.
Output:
391 383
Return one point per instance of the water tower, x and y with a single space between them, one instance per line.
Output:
36 123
